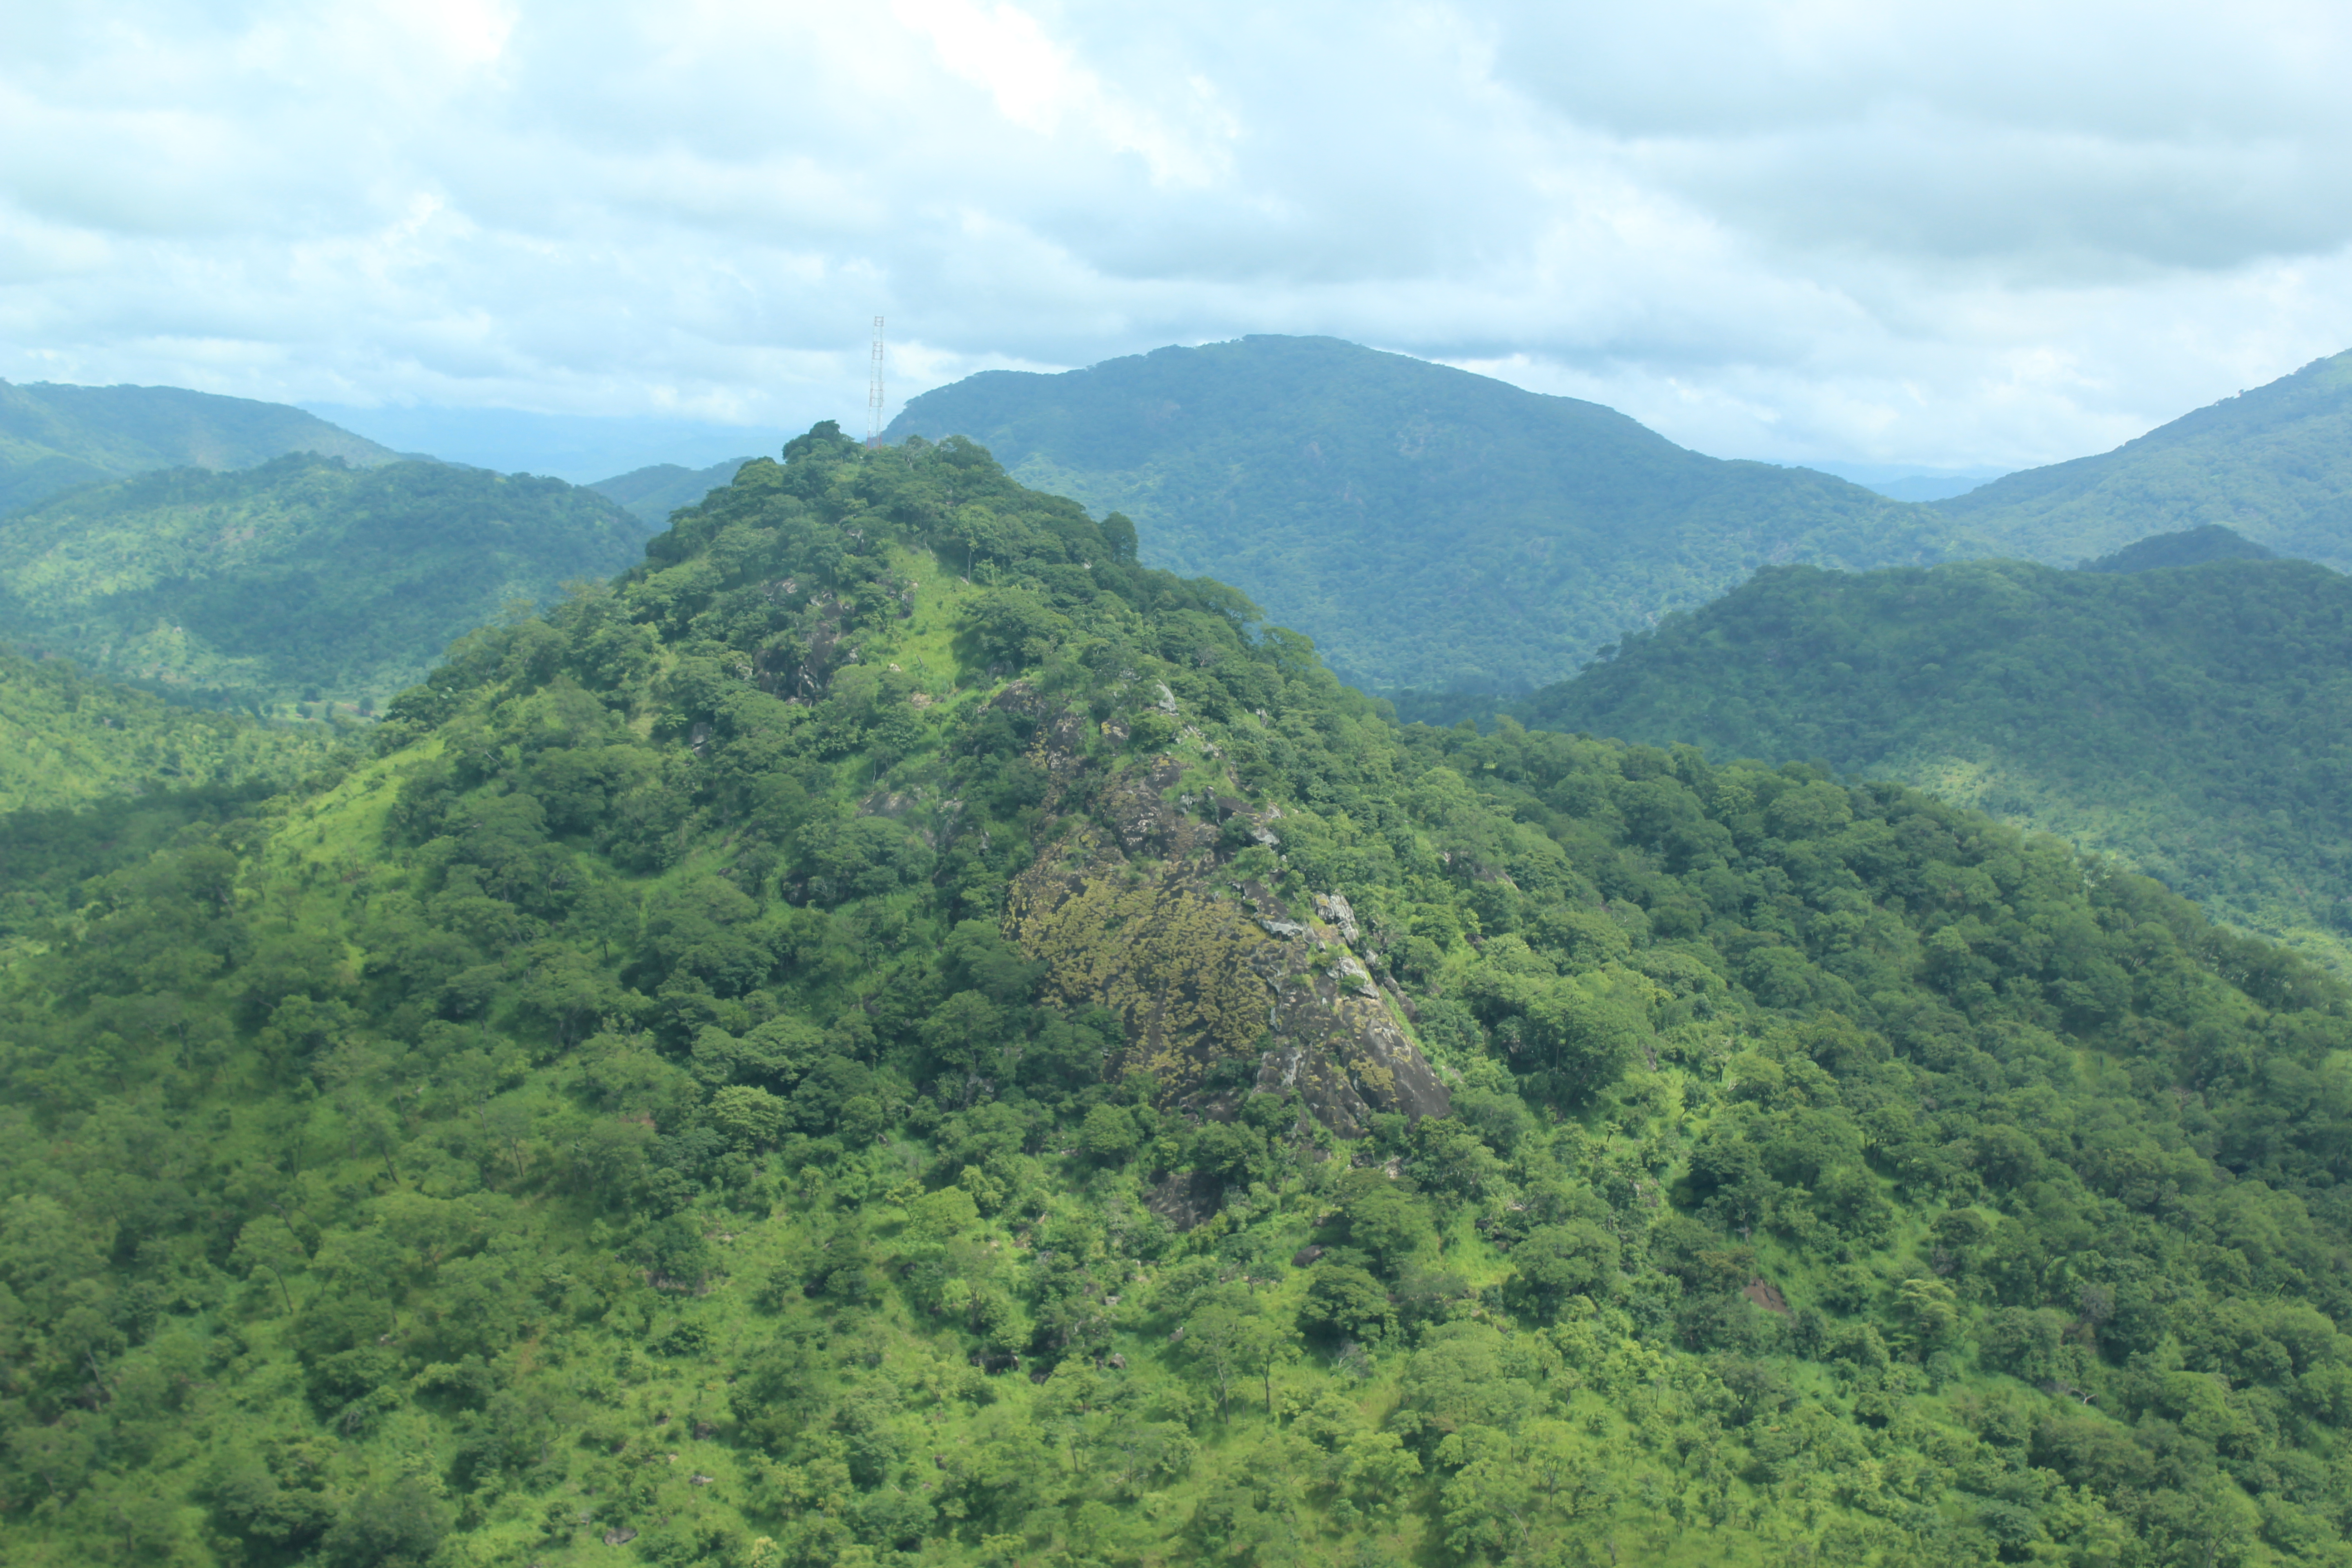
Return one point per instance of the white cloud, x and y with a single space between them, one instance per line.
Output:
1995 233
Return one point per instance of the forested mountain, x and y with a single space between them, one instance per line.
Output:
53 438
302 580
651 494
2275 463
2195 722
880 1038
1427 527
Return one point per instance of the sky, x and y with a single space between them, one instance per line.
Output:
1891 235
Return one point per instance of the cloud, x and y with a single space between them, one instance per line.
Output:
1934 234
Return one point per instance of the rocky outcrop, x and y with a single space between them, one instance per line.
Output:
1222 988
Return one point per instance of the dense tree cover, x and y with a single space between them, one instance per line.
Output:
66 739
2189 547
610 1124
2271 463
299 582
651 494
1427 527
2195 722
55 437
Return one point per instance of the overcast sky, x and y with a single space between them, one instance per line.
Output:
1987 234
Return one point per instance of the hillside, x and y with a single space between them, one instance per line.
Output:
2194 721
66 740
864 1043
1427 527
651 494
54 437
301 581
2274 464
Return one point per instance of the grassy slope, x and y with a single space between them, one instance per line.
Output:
299 580
1427 527
417 1299
2195 723
2274 464
54 437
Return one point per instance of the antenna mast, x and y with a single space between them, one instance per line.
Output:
874 391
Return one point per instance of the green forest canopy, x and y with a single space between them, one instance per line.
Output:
55 437
2195 722
633 1115
1429 528
301 581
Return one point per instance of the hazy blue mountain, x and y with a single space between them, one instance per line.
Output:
53 438
650 494
2274 464
2191 547
1427 527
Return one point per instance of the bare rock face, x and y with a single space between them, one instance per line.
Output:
1222 988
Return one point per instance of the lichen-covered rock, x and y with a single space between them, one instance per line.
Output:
1222 988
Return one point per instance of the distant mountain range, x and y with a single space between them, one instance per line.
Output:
55 437
1426 526
1437 529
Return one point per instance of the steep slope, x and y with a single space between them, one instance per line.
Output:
53 438
302 580
2275 464
651 494
1427 527
2194 721
840 1049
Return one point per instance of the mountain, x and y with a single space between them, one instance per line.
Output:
2274 464
2194 721
651 494
1427 527
872 1040
303 580
55 437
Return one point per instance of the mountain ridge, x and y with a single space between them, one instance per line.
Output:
55 436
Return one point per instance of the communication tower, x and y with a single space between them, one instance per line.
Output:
874 391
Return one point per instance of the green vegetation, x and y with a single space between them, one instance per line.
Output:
2195 723
56 438
895 1033
2190 547
299 582
2274 464
651 494
66 740
1427 527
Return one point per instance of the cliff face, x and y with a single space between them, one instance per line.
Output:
1222 987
